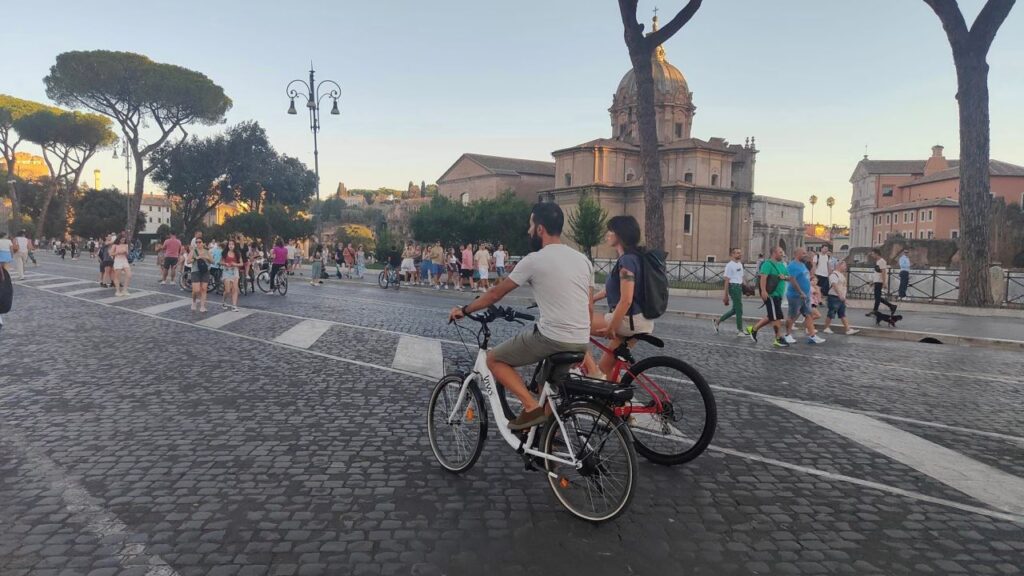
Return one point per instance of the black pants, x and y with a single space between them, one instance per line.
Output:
879 299
904 282
274 269
823 285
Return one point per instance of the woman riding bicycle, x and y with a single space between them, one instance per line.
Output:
278 262
620 288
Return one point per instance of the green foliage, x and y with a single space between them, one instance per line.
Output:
276 220
258 175
503 220
191 173
33 195
587 224
387 243
101 212
357 234
11 110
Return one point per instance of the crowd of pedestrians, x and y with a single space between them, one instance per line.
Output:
472 267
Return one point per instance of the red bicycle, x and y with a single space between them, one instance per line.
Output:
672 415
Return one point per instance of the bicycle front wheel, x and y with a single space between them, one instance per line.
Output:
382 279
185 282
603 487
685 423
282 285
457 430
263 281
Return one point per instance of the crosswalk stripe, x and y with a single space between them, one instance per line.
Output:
161 308
419 355
224 318
304 334
129 296
982 482
63 284
84 291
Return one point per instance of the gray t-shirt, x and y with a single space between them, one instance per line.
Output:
561 281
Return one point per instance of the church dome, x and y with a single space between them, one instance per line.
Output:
670 85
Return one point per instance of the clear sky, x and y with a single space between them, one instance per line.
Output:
814 80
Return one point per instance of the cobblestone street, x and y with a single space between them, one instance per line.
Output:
137 438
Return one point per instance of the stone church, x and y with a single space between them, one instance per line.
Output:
707 184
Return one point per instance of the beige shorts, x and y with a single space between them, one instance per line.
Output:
121 263
529 347
640 325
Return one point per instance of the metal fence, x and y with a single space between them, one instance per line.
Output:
927 285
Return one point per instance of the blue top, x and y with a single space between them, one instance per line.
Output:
798 270
904 262
612 285
215 254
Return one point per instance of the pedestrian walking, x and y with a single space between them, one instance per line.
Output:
201 261
21 254
6 283
454 280
172 251
7 251
798 298
500 255
837 300
823 264
733 292
773 279
466 266
230 263
880 282
483 266
437 265
360 262
122 273
904 262
318 265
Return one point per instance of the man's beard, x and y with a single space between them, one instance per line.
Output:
535 243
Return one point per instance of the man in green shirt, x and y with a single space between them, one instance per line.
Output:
772 275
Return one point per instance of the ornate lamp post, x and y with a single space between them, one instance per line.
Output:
314 93
830 202
127 173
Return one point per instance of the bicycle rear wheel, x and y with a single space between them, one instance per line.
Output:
684 426
603 487
185 281
457 444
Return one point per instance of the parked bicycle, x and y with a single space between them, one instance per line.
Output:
584 449
280 284
389 277
185 281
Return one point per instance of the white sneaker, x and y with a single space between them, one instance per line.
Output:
714 322
852 331
742 334
789 339
828 331
815 340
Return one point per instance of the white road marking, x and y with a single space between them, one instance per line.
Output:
88 510
130 296
84 291
224 318
419 355
729 451
304 334
63 284
982 482
161 308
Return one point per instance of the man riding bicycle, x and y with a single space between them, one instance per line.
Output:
561 282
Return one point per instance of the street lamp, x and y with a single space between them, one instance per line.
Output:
126 152
314 93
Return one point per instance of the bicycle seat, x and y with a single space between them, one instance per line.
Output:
652 340
561 358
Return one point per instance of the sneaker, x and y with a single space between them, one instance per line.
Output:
528 419
752 333
741 334
234 308
714 322
789 339
828 331
780 343
202 309
815 340
437 287
852 331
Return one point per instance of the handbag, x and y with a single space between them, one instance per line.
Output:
202 266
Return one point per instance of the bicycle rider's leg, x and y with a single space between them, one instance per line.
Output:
598 325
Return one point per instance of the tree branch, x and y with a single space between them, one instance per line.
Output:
675 24
953 23
985 26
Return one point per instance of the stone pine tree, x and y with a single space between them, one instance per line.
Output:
587 224
641 51
137 94
11 110
970 51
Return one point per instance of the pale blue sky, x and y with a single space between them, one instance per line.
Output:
814 80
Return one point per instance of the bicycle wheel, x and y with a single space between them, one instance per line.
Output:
382 279
603 487
456 445
185 282
683 428
263 281
282 285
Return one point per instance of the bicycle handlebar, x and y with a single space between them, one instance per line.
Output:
500 312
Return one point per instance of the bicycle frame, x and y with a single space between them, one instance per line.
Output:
622 365
487 384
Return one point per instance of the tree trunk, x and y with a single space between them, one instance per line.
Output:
650 161
975 201
136 199
51 189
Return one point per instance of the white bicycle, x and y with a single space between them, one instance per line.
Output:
585 450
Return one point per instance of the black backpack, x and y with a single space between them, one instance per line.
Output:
653 284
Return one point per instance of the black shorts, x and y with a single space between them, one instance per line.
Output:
774 308
106 264
170 262
466 273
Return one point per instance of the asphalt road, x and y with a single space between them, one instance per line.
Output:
138 437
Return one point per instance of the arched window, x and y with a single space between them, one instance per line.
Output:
714 179
688 177
464 198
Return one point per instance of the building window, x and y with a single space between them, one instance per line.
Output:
622 130
879 238
568 179
931 234
710 258
714 179
150 219
920 235
464 198
888 219
887 191
911 214
679 129
687 223
954 234
688 177
930 216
